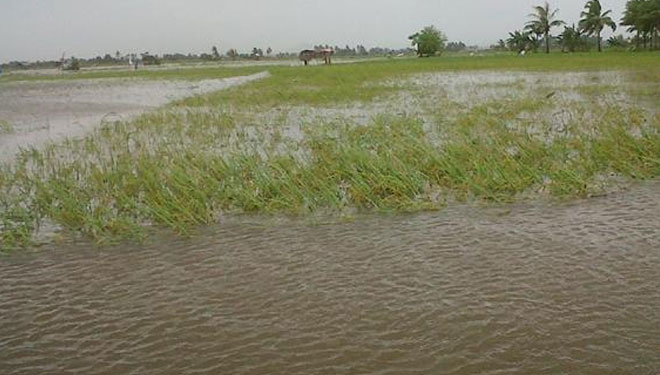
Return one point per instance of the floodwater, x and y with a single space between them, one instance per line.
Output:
450 94
46 111
571 288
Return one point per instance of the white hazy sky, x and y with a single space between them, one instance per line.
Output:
44 29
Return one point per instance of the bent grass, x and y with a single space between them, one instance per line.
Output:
186 164
6 127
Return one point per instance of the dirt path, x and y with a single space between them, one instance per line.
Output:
39 112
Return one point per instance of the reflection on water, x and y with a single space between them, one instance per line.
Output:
567 289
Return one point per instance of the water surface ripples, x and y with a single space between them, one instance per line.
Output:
527 289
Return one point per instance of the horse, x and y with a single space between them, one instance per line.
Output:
308 55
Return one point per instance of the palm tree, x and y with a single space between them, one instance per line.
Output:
642 17
631 18
617 41
542 21
593 21
519 41
571 40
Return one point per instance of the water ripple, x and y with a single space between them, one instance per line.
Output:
571 288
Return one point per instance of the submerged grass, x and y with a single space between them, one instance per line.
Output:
363 82
6 127
596 90
184 165
178 73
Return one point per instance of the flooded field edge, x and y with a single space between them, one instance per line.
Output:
328 158
52 238
523 288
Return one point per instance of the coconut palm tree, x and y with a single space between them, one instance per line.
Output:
617 41
643 18
631 18
542 21
593 21
571 40
519 41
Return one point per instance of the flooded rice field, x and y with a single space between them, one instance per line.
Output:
524 288
572 288
553 99
42 111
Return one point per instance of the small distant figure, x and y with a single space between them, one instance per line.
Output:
133 61
523 52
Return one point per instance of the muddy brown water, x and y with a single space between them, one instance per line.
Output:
568 288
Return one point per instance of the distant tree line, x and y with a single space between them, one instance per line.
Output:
214 54
361 50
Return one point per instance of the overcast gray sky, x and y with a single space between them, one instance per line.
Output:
44 29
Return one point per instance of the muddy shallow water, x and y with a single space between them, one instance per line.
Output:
526 289
39 112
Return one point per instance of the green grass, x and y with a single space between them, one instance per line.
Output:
227 153
596 89
346 83
6 127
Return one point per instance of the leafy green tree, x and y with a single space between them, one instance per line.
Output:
632 18
429 41
643 18
543 20
653 16
520 41
571 39
455 46
593 20
71 64
257 53
232 53
617 41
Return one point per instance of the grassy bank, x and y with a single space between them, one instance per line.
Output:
371 136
